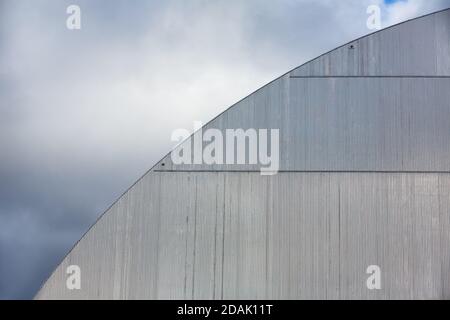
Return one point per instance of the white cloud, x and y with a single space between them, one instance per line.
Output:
405 10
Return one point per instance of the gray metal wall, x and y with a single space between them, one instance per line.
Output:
365 179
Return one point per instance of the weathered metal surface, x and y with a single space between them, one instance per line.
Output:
347 124
365 180
419 47
232 235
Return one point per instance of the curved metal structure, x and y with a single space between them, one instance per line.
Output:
364 179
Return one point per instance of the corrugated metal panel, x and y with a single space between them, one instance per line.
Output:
418 47
311 230
288 236
347 124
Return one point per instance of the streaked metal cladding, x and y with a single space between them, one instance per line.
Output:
364 180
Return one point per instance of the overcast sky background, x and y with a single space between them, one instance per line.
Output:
84 113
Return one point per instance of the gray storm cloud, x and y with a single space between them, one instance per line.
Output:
84 113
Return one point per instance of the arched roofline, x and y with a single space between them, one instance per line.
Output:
219 115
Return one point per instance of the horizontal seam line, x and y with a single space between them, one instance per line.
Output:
411 77
306 171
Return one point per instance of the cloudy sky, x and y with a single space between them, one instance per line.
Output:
84 113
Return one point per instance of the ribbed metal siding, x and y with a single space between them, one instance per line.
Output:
311 230
288 236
